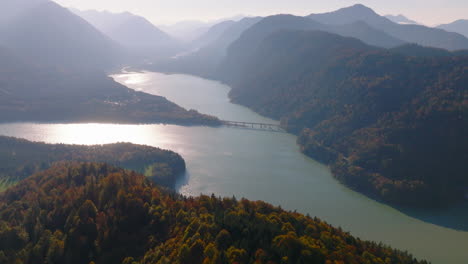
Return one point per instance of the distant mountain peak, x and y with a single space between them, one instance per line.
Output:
401 19
129 30
357 9
460 26
349 15
360 7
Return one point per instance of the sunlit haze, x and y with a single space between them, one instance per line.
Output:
233 131
430 12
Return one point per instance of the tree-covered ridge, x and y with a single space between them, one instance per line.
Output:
21 158
93 213
393 126
37 93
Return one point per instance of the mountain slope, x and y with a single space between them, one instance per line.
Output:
133 32
242 49
418 34
392 126
212 34
12 8
187 31
459 26
366 33
94 213
30 92
205 61
49 34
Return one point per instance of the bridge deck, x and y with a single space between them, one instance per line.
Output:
253 125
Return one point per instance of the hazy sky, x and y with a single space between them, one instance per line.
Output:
429 12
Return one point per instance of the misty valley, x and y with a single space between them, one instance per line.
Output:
117 142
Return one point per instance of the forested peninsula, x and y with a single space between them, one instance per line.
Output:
21 158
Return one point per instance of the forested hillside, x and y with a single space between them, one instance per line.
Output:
31 92
21 158
93 213
53 69
241 51
391 125
244 36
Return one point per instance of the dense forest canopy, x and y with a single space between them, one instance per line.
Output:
21 158
391 125
94 213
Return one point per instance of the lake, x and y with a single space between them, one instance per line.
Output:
259 165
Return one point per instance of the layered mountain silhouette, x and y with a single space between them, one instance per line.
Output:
132 32
401 19
362 31
409 33
459 26
205 60
212 34
247 43
357 21
187 31
49 34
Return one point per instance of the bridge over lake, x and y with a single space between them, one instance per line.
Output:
254 126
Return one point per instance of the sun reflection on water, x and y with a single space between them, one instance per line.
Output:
101 133
131 79
89 134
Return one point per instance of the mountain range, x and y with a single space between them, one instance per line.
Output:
417 34
205 60
400 19
248 42
135 33
356 21
459 26
190 30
